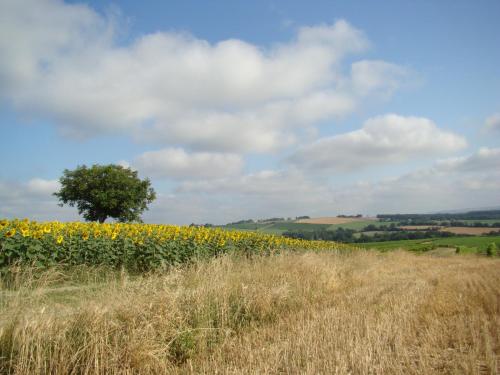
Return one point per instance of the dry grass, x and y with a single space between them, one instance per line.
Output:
326 313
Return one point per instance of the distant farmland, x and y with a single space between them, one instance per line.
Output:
313 224
336 220
278 227
469 230
476 244
475 231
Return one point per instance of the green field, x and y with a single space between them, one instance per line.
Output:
470 244
280 227
283 226
247 226
277 227
359 225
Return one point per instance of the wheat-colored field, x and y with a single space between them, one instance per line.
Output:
309 313
474 231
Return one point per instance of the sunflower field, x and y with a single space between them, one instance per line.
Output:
133 246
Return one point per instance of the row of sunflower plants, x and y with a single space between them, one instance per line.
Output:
133 246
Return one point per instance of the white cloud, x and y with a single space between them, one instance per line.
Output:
123 163
492 123
33 200
370 76
485 160
284 183
448 184
175 163
39 186
384 139
168 87
452 183
204 105
267 193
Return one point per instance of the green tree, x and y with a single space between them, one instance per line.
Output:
105 191
491 249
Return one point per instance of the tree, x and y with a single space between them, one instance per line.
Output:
491 249
104 191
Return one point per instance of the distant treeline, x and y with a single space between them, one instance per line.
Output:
472 215
348 235
249 221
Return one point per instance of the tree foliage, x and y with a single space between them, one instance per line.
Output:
106 191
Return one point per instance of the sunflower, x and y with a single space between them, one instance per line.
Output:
10 232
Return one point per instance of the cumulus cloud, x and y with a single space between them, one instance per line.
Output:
419 192
385 139
205 106
368 76
492 123
485 160
465 182
278 183
261 194
178 164
175 88
33 199
39 186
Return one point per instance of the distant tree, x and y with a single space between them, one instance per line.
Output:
491 249
105 191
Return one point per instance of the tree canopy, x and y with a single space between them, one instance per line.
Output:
105 191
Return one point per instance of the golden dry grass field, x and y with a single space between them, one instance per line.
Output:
361 312
473 231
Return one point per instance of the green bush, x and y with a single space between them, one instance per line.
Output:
491 249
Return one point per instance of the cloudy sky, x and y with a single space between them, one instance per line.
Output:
251 109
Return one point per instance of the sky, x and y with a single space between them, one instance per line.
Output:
253 109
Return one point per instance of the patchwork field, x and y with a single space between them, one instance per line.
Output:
335 220
476 244
360 225
309 313
277 227
419 227
456 230
471 231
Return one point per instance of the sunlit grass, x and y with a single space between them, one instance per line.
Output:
362 312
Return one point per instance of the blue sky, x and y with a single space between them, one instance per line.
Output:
240 109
